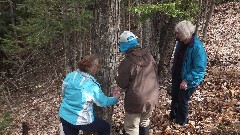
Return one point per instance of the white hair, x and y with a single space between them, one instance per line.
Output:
186 28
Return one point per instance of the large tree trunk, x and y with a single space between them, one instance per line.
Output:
106 36
164 38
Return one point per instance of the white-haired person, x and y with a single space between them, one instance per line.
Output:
189 68
137 77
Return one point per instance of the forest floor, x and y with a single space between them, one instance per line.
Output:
214 107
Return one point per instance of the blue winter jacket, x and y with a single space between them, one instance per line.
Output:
80 91
194 64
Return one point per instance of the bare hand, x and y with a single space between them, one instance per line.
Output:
183 85
116 92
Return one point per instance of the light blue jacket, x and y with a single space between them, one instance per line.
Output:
80 91
194 64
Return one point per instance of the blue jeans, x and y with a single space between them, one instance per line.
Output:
179 105
98 125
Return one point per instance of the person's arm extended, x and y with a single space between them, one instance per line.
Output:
102 100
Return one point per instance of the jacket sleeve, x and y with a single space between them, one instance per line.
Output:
100 99
124 74
198 68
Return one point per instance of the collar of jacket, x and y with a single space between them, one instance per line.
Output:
132 49
191 43
88 76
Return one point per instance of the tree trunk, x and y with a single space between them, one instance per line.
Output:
107 18
208 17
198 17
76 38
164 38
147 30
13 21
66 45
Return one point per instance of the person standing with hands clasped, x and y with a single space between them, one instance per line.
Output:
80 91
189 68
137 77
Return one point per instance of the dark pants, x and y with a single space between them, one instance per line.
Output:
98 125
179 105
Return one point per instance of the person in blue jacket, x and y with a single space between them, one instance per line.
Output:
189 68
80 92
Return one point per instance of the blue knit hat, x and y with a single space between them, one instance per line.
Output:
127 40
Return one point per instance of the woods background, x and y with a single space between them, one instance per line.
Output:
41 41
